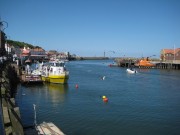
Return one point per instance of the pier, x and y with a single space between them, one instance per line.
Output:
168 64
125 62
173 64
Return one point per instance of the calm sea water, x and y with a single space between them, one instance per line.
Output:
147 103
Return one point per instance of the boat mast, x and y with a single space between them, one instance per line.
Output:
174 52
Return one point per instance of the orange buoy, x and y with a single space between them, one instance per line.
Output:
77 86
105 99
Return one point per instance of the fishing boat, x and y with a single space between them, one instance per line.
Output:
46 128
145 63
55 72
131 71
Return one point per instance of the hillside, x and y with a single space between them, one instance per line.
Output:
21 44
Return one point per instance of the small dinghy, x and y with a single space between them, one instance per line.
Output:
131 71
48 128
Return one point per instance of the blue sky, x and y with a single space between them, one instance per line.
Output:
90 27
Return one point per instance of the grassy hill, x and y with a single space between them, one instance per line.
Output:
21 44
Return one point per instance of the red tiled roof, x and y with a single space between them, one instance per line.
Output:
171 50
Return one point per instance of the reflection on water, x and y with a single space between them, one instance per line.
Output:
59 87
57 92
45 96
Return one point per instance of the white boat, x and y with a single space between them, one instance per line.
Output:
46 128
55 72
131 71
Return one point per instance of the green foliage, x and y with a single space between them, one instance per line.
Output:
21 44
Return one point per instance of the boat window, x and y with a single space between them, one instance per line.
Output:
57 64
52 64
60 64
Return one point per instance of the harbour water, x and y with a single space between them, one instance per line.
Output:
146 103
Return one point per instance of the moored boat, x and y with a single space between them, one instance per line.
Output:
145 63
55 72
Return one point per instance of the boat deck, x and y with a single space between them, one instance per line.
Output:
28 78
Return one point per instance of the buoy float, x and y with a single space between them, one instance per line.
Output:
77 86
105 99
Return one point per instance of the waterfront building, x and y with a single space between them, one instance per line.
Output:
63 55
8 48
170 54
38 54
53 54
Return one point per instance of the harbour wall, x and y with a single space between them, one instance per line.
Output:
10 113
89 58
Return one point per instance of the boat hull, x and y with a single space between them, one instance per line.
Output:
131 71
144 63
45 79
62 79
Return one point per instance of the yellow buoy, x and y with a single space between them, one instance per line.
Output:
103 97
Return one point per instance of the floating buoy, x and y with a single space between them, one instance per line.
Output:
77 86
105 99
